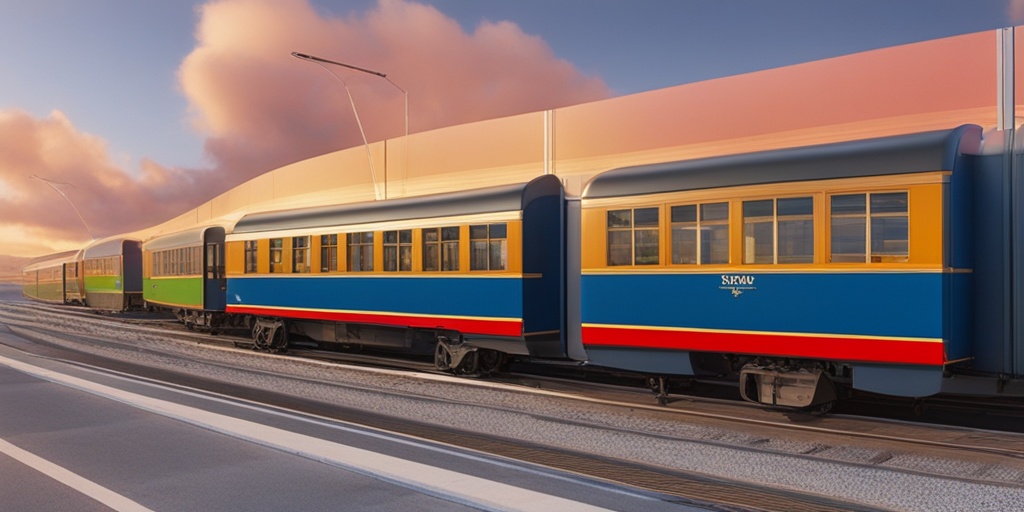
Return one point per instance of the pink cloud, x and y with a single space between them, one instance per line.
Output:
260 108
1015 11
109 199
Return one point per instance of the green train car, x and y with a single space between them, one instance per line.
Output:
113 274
184 273
55 279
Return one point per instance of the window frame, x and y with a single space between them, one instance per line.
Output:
495 243
444 247
868 217
698 224
359 249
634 232
329 253
250 251
775 220
400 246
301 250
277 248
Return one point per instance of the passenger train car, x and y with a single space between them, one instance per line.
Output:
472 276
112 270
789 269
184 273
879 265
55 279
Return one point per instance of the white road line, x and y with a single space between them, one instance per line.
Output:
446 484
72 480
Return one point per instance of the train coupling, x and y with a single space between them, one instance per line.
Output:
795 388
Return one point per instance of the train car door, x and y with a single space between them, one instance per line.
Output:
215 284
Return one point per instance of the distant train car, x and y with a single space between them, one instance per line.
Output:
790 270
54 279
472 276
113 274
184 273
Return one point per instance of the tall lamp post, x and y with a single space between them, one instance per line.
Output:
53 185
320 62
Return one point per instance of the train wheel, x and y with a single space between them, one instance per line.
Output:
470 364
279 340
271 336
442 358
490 361
259 337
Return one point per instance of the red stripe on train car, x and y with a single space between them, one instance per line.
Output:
510 328
884 350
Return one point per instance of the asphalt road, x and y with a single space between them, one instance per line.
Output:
10 292
73 438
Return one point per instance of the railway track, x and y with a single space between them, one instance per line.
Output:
963 455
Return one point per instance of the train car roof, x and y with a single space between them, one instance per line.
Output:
468 202
110 247
189 238
901 154
51 260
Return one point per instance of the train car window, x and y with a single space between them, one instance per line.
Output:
712 225
488 247
213 270
849 228
890 227
450 249
633 237
250 256
398 251
796 230
431 249
620 237
758 231
276 255
684 234
882 218
360 251
328 253
778 231
300 254
646 236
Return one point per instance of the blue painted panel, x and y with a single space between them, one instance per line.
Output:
460 296
898 380
651 361
881 304
543 257
991 276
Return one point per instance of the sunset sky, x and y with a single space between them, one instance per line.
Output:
147 109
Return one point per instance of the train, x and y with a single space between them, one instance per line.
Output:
798 275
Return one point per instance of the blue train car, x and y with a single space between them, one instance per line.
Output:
472 277
792 270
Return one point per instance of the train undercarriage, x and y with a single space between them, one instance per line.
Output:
451 352
786 384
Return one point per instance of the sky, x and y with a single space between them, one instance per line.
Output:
147 109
